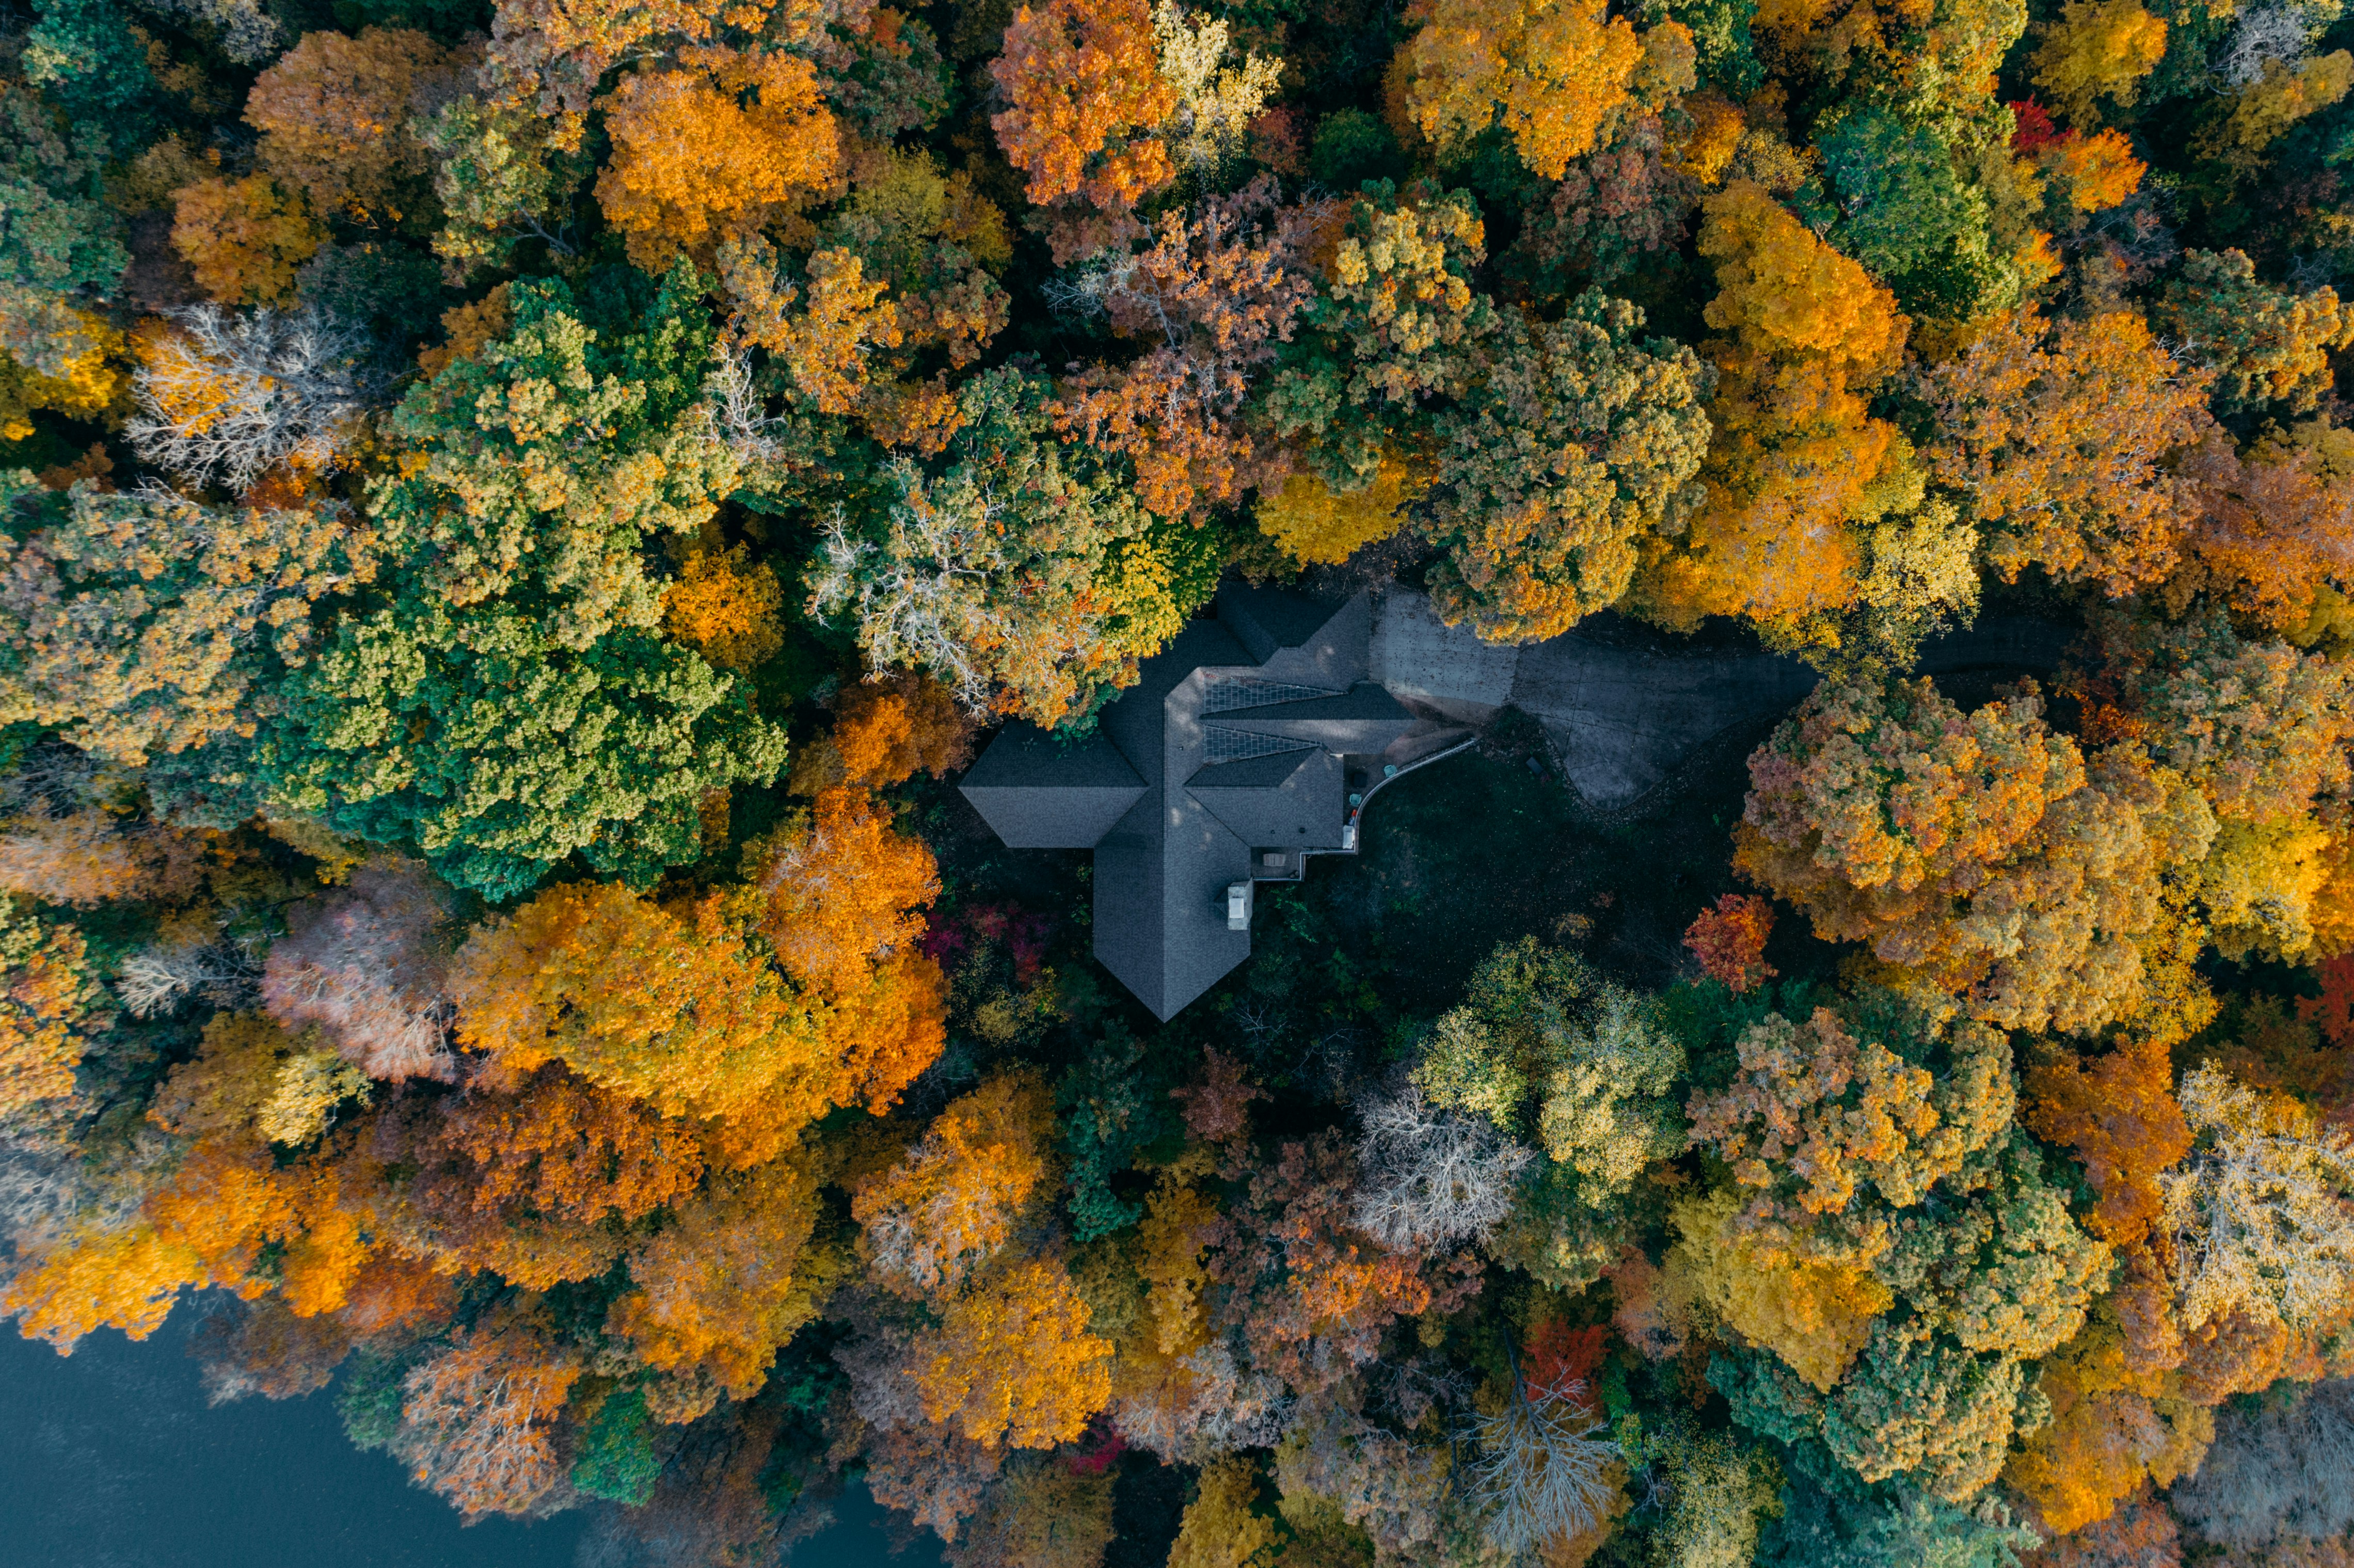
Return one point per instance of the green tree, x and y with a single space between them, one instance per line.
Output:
614 1455
1911 218
138 622
2266 345
1913 1405
1542 1044
507 702
1727 50
84 52
57 241
497 750
2009 1273
1579 441
503 176
540 465
1108 1106
1893 1526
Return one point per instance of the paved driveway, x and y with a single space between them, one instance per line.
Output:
1622 717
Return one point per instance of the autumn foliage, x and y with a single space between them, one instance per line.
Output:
1795 458
1555 73
334 114
244 238
517 520
1084 99
948 1205
1892 818
1729 940
712 150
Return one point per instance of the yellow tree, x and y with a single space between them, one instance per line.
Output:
1829 1128
2113 1427
2117 1114
2258 729
2274 528
561 49
725 606
562 1147
1816 1315
2264 111
1556 73
1796 460
1014 1363
2098 49
1156 1389
138 623
1317 523
824 345
2097 172
124 1278
717 148
668 1006
890 728
1220 1529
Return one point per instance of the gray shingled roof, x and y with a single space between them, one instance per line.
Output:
1038 791
1230 745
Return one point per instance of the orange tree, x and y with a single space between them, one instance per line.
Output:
1980 850
1795 460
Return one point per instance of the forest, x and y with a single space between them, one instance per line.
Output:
516 513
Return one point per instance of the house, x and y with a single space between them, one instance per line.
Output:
1248 744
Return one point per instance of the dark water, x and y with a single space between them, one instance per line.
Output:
111 1458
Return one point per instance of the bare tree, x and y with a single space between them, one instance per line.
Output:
2263 1211
1539 1474
2277 1474
1391 1486
228 397
738 418
369 966
1432 1178
1258 1023
158 978
1212 1402
2265 34
925 599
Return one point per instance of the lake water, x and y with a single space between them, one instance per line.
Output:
111 1458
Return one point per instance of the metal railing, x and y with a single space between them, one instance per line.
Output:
1351 836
